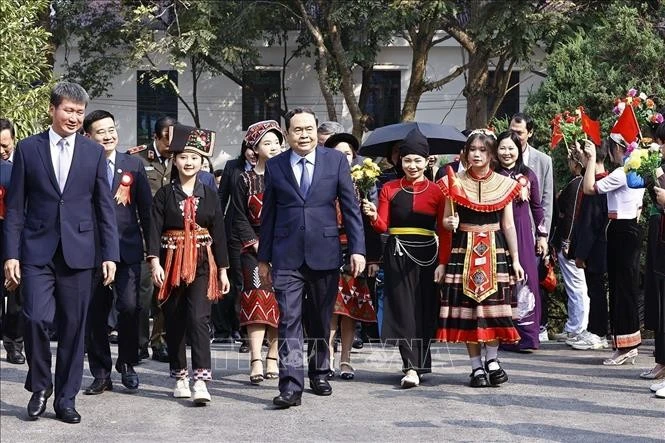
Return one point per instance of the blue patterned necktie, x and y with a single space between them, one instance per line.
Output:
109 172
305 180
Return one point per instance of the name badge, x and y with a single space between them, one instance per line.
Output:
480 261
149 168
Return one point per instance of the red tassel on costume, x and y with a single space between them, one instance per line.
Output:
214 292
190 249
164 291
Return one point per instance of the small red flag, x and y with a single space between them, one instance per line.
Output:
557 135
454 186
627 125
591 128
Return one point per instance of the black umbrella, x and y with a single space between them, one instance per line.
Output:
442 139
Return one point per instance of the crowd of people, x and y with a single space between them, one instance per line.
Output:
283 248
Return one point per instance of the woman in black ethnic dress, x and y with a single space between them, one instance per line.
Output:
188 260
484 260
354 300
259 311
410 210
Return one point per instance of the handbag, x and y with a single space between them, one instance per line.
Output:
524 301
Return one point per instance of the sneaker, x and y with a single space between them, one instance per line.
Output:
657 386
200 393
182 388
660 393
587 341
564 336
543 335
410 380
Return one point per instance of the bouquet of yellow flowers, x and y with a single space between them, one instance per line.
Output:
643 160
364 176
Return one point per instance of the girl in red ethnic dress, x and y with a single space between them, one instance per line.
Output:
354 301
259 311
410 210
484 262
188 259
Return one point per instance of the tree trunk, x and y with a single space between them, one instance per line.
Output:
415 90
322 70
476 91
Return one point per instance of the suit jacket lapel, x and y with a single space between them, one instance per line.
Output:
318 166
287 170
47 160
118 169
76 163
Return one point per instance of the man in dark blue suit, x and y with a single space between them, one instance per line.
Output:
129 185
299 237
58 204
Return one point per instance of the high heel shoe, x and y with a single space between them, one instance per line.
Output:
256 378
620 358
653 375
331 373
271 375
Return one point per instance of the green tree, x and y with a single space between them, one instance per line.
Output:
26 76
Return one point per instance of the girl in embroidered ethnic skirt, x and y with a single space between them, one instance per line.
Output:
409 209
624 238
479 277
259 311
188 260
354 301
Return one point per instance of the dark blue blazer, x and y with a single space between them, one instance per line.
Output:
5 173
39 216
134 219
296 230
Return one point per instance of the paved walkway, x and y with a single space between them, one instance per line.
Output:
555 394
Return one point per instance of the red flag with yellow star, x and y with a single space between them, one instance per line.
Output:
454 186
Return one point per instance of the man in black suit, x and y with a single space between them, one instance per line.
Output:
128 182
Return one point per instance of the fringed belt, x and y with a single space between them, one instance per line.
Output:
467 227
402 246
182 256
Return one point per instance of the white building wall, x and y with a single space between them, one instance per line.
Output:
220 99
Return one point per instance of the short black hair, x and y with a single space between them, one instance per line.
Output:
659 133
94 116
521 117
289 115
6 124
602 150
163 123
70 91
218 172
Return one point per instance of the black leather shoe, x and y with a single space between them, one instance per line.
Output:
320 386
478 378
497 376
98 386
68 415
244 347
144 354
128 376
160 354
357 343
15 357
37 403
287 399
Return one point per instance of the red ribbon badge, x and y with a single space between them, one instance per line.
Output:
123 195
3 191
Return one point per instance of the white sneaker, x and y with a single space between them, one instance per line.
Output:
564 336
182 388
660 393
543 335
410 380
589 341
657 386
200 393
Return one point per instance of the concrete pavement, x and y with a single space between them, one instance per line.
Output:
554 394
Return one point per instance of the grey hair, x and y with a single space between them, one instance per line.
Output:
330 127
70 91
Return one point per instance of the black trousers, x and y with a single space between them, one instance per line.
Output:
55 292
187 311
224 314
306 298
623 261
12 319
146 289
126 289
598 314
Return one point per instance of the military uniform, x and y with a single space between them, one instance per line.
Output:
158 170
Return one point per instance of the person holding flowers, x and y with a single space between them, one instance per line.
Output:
354 300
188 259
623 248
484 262
259 311
410 210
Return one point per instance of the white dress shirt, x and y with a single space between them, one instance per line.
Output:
623 202
70 141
